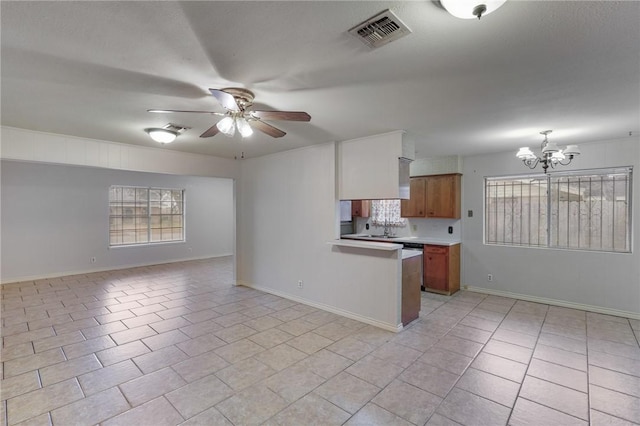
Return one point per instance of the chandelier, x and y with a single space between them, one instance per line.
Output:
551 154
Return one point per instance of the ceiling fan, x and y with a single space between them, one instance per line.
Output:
238 101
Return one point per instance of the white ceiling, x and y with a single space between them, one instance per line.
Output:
92 69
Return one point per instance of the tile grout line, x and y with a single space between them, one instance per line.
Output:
466 368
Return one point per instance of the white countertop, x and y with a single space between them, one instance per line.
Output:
400 240
367 244
406 254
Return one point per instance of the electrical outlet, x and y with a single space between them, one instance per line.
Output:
414 228
490 277
299 283
93 260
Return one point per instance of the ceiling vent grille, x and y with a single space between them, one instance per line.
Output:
380 29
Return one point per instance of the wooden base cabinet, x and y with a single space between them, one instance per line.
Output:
442 269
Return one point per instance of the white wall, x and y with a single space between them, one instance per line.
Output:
28 145
601 280
287 212
56 217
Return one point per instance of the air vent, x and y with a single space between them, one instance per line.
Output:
380 30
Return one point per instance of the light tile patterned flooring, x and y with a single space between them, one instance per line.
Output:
177 344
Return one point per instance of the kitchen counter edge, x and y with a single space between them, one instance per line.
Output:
415 240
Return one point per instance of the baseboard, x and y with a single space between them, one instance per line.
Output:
555 302
328 308
112 268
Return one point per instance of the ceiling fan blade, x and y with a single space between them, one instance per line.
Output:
162 111
211 131
282 115
267 128
225 99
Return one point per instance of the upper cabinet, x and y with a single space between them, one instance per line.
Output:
360 208
375 167
435 196
416 205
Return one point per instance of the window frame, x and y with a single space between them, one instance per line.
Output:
148 217
548 178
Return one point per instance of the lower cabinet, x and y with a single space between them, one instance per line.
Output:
442 269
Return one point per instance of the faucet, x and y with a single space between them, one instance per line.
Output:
386 228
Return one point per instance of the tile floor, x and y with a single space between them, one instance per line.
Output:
177 344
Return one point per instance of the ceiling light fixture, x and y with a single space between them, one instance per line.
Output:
166 134
551 154
470 9
228 125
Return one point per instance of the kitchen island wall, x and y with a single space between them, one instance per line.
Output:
288 211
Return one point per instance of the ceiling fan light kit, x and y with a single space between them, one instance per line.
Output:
238 101
551 154
471 9
227 126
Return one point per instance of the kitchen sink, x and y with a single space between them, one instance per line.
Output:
376 236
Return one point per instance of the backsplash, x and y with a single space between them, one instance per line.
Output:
432 228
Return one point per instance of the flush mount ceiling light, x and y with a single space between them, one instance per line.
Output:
165 134
551 154
470 9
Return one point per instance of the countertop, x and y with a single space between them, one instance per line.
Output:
406 254
400 240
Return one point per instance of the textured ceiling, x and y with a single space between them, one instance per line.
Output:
92 69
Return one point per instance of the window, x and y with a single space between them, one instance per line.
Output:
386 213
581 210
145 215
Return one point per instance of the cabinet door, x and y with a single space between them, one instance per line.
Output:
436 268
360 208
415 206
443 196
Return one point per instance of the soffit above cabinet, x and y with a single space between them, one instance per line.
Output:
375 167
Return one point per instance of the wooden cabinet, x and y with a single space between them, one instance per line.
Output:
443 196
415 206
435 196
360 208
411 272
442 269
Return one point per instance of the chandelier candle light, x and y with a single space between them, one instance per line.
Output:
551 154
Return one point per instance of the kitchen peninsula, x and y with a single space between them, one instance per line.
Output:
441 259
404 292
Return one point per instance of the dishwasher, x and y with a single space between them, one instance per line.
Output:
417 247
